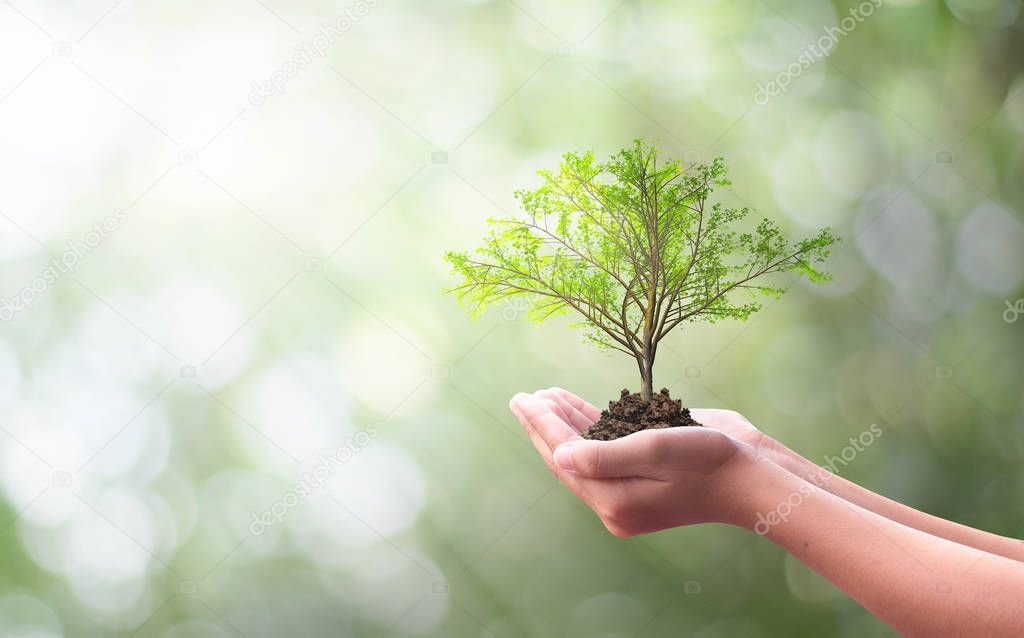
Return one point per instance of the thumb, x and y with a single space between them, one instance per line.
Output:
605 459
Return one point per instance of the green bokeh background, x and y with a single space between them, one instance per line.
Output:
291 252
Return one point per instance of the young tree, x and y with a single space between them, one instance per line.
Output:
634 247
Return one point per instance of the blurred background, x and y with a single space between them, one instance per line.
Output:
234 401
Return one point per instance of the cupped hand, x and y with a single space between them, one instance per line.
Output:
650 480
737 426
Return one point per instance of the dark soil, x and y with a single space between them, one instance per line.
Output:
631 414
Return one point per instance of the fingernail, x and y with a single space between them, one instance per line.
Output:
563 456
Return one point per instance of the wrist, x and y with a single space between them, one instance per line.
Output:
808 470
765 494
789 460
749 482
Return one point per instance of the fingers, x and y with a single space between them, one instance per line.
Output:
653 454
538 442
631 456
713 417
547 419
588 410
545 422
577 419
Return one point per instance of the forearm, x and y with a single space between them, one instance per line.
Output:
920 584
853 493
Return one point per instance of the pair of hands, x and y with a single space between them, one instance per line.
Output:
889 557
650 480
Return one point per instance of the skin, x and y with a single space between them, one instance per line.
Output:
922 575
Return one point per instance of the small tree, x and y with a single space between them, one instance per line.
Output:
633 246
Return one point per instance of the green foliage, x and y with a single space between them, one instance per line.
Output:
634 247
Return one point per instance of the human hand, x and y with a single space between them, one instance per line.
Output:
740 428
645 482
582 415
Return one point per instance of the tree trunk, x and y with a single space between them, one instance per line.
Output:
647 374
